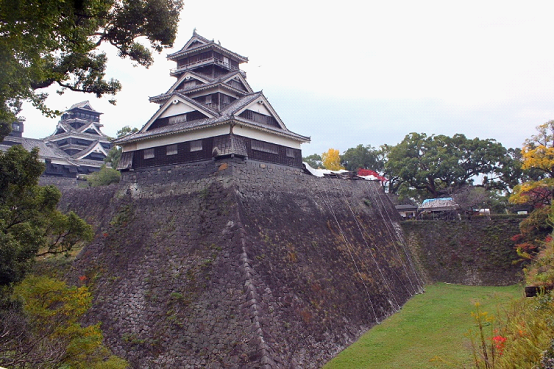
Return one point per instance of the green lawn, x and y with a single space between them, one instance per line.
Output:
429 332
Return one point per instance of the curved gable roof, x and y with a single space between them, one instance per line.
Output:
175 99
204 44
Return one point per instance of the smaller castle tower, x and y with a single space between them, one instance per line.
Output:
78 145
79 134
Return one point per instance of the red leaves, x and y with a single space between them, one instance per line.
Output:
499 342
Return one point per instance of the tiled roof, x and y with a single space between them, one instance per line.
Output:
79 133
163 97
201 123
83 105
86 151
84 135
238 104
208 44
212 83
46 151
226 115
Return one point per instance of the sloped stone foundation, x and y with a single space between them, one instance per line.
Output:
240 264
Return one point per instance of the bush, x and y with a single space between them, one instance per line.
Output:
41 328
522 338
104 177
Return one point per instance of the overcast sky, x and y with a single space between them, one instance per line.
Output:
352 72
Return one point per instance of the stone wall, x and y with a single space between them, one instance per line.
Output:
240 264
471 252
60 182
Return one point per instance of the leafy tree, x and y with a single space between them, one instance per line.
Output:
538 151
511 174
104 177
537 157
114 155
537 160
45 331
533 231
45 42
423 166
363 157
313 161
331 159
30 224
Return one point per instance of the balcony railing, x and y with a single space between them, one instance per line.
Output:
217 107
212 59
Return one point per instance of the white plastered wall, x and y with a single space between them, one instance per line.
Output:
176 109
177 138
265 136
259 108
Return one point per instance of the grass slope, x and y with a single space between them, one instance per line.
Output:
431 330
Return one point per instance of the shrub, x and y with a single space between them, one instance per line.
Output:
522 338
105 176
41 328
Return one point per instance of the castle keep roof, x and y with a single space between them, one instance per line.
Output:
210 98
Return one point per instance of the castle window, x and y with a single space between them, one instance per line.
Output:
209 99
290 153
265 147
259 118
171 150
178 119
148 153
195 145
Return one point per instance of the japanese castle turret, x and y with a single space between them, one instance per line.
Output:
210 112
79 135
78 145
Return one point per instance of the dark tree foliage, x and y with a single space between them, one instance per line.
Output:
114 155
45 42
30 223
436 165
313 161
363 157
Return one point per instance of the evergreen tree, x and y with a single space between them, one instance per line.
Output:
47 42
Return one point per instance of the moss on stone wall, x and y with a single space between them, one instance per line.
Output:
241 264
473 252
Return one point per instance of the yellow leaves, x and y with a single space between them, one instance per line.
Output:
533 191
54 309
538 157
47 298
481 316
331 159
537 154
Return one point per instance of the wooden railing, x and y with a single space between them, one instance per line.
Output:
217 106
202 61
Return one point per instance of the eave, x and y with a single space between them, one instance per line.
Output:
209 123
83 135
163 97
211 45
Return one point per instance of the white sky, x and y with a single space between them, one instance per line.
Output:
351 72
